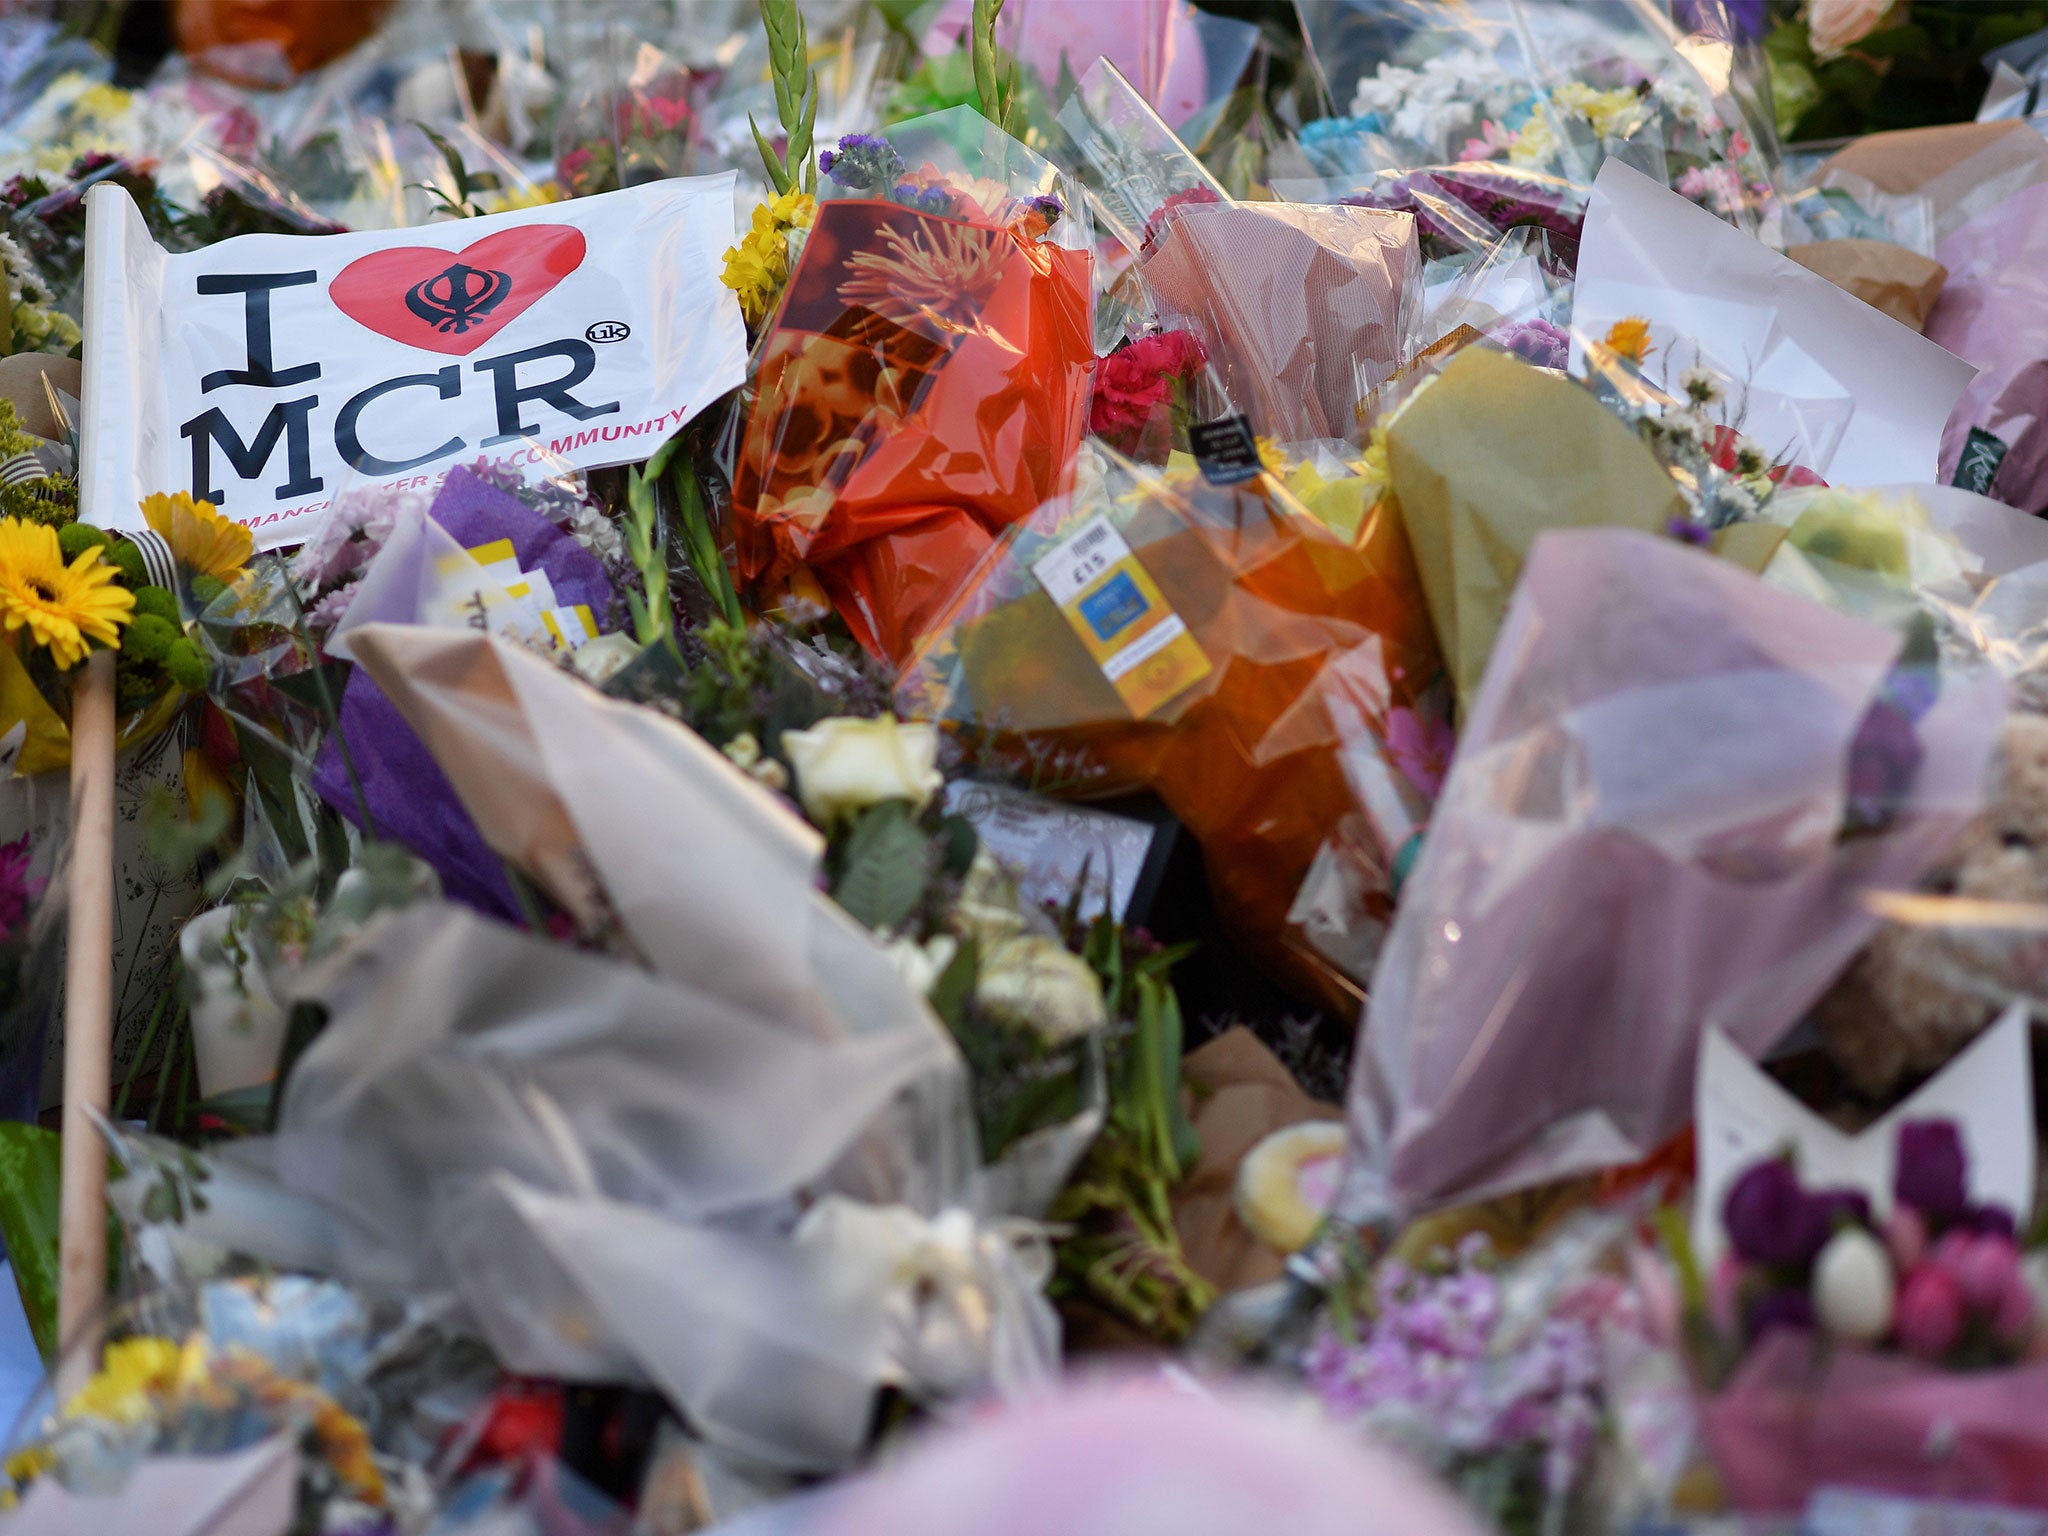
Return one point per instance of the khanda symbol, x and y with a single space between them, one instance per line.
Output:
455 299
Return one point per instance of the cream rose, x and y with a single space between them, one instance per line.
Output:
1039 984
1834 26
845 765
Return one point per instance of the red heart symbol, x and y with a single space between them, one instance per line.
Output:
455 301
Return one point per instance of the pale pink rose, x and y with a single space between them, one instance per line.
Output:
1835 26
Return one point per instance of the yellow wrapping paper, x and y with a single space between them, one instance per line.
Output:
1486 458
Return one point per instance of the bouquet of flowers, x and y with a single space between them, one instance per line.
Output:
922 384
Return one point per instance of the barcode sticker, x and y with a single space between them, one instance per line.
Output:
1112 603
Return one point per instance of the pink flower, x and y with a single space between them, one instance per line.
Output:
1492 140
1930 1314
1833 26
1421 749
1724 1295
1985 1266
1905 1233
2013 1319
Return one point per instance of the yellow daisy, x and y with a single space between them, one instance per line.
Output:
200 536
1631 338
62 607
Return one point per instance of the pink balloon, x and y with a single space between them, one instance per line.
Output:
1145 1458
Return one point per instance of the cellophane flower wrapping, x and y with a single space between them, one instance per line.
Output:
923 384
1798 1417
1304 310
1294 628
1642 834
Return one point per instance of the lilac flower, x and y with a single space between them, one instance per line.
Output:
1688 531
1931 1169
863 162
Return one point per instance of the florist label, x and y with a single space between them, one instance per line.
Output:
268 372
1111 601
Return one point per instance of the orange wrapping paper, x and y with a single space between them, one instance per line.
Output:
923 387
1293 620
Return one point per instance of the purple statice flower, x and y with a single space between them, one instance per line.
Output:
1931 1174
1689 531
1771 1221
1049 208
925 199
18 890
863 162
1534 341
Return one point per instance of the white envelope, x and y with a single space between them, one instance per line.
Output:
1825 379
1743 1117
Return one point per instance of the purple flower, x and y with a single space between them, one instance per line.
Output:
17 891
1687 531
923 199
1931 1170
864 162
1884 759
1791 1307
1536 341
1771 1221
1995 1219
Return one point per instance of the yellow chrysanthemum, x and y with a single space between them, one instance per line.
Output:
200 536
539 195
758 266
1606 111
1631 338
63 607
133 1373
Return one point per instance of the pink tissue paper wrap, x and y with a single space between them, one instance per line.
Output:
1993 312
1792 1421
1638 838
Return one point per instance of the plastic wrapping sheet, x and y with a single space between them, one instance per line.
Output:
1641 835
1207 663
1993 313
1305 311
922 386
1829 384
1549 87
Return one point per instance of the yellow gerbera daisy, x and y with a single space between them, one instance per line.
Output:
63 607
1631 338
200 536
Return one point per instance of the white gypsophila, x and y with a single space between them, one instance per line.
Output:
1739 499
1442 97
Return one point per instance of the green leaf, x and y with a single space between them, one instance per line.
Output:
887 865
30 1158
954 987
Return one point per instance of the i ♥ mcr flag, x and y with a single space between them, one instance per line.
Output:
268 372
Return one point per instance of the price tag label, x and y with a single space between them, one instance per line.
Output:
1132 633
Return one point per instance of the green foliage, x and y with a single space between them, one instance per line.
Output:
463 205
157 602
124 557
74 539
149 638
995 75
796 98
186 667
647 546
1926 69
885 866
29 1160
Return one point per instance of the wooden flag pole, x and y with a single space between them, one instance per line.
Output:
88 999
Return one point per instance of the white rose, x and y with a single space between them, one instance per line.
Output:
845 765
1853 1287
921 964
1833 26
598 661
1041 985
990 909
